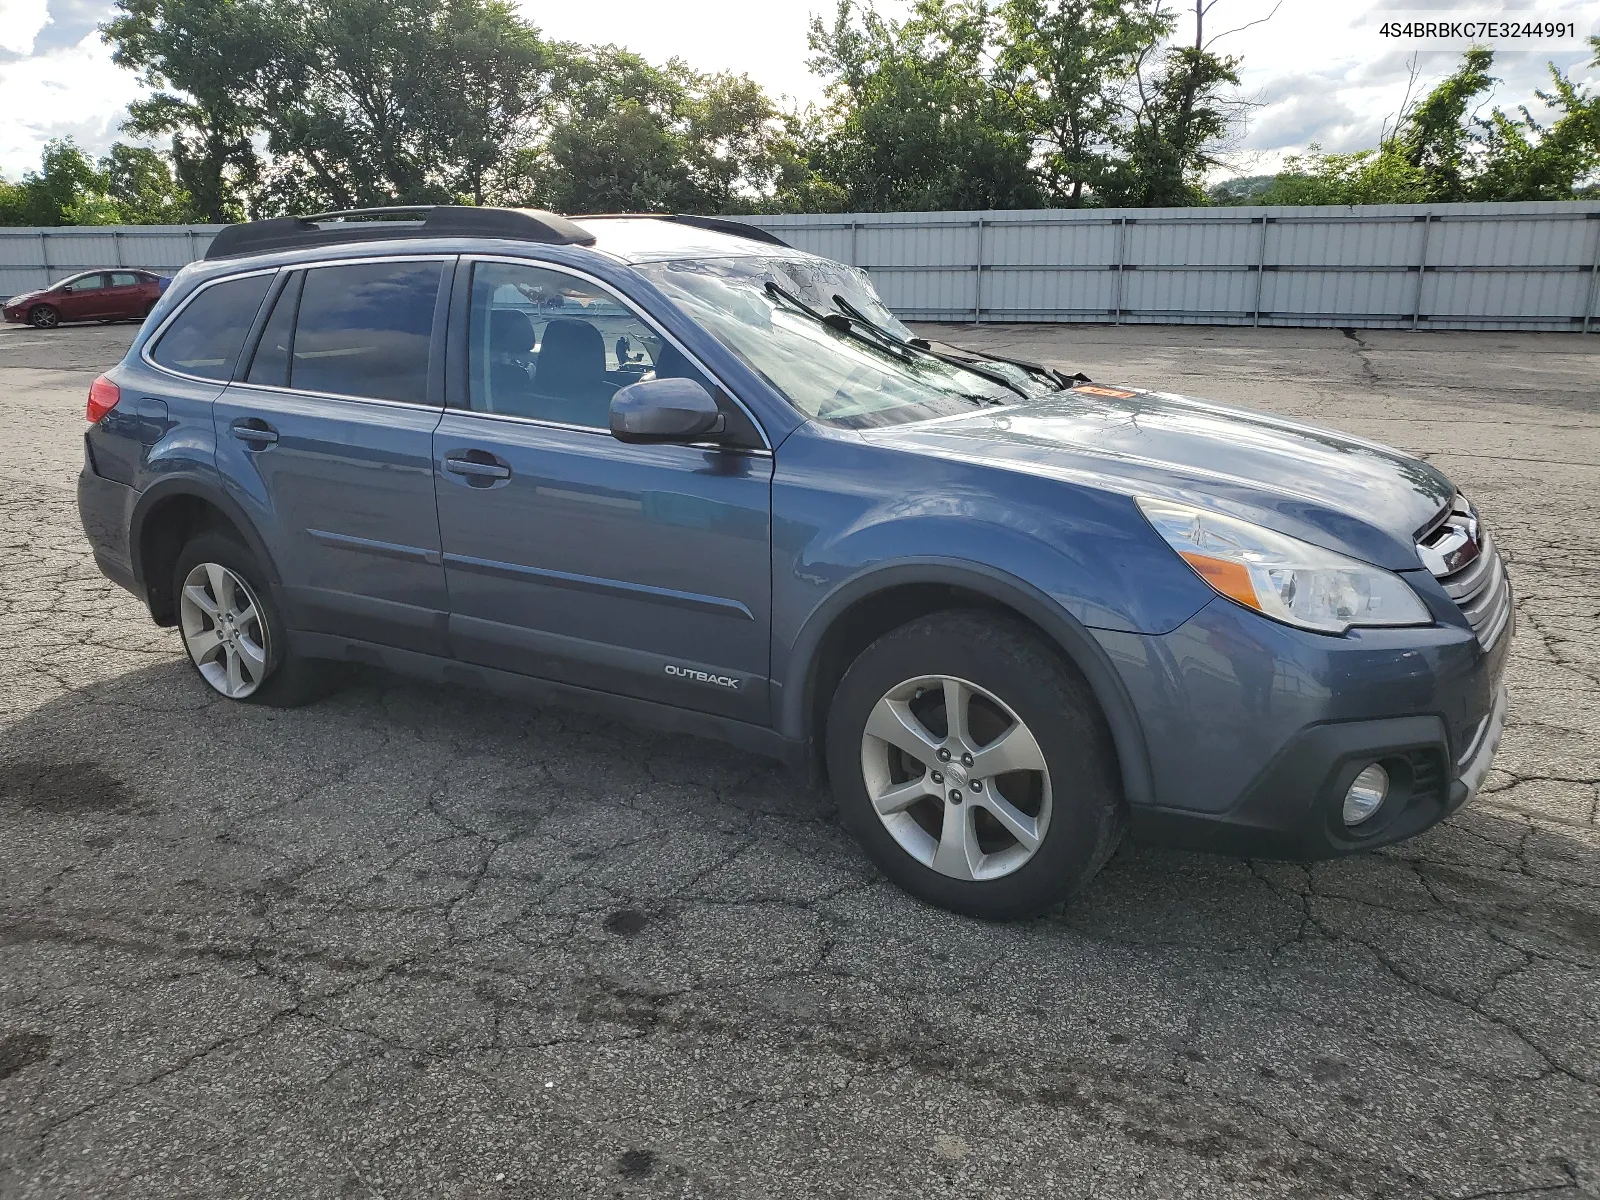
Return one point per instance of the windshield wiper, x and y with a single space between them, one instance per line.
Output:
841 324
1059 378
856 316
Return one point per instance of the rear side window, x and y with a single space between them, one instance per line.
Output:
206 337
365 329
124 279
271 363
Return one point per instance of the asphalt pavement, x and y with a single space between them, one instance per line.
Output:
416 942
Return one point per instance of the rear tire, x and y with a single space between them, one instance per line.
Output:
44 316
233 629
1040 805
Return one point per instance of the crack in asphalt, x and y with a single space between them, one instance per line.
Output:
417 941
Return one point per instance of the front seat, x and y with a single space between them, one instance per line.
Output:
571 375
510 339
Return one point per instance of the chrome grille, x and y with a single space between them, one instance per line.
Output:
1459 552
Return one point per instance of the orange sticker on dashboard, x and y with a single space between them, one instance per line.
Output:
1114 393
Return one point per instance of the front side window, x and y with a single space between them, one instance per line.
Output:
366 329
825 373
205 338
88 283
548 345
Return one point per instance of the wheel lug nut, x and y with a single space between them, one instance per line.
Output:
944 755
955 796
966 760
976 785
937 778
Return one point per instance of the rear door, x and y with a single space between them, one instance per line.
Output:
326 436
125 296
639 570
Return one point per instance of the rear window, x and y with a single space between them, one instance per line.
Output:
206 337
365 329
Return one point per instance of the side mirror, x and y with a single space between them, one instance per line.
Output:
664 410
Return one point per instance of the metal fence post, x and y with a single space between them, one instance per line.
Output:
1594 276
977 279
192 254
1261 270
116 243
1422 270
855 253
1122 242
44 256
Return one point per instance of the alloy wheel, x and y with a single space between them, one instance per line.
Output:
45 317
956 777
223 630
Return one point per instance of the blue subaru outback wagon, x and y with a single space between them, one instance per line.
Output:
671 468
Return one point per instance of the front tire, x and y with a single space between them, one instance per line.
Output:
233 630
44 316
974 765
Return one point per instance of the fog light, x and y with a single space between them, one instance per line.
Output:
1366 794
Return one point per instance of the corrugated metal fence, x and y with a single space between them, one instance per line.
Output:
35 258
1444 266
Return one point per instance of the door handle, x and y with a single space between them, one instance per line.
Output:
255 432
480 467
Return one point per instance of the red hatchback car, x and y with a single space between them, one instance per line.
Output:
91 296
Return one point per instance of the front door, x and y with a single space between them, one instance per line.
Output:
84 299
328 439
638 570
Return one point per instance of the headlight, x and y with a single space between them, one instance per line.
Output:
1283 577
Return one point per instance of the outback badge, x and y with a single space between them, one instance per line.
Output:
726 681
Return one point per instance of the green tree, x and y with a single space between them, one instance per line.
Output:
1435 137
68 189
1442 151
1525 159
373 102
203 58
500 74
616 139
1070 65
914 117
141 183
1181 113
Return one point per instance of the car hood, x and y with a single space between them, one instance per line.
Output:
21 296
1330 489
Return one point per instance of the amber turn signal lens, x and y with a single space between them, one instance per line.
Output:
103 397
1229 578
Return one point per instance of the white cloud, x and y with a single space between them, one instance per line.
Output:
20 23
1322 73
74 91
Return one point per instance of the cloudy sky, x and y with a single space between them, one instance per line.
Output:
1318 71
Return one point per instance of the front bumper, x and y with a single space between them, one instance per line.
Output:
1254 731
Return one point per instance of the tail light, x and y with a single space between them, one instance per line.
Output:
103 397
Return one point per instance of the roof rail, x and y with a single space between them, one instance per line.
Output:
715 224
397 221
736 228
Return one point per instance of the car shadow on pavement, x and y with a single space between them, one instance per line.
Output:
154 745
463 881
